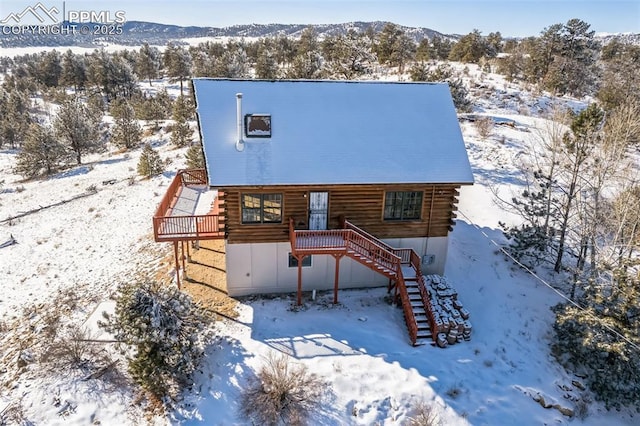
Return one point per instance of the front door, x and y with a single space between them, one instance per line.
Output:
318 210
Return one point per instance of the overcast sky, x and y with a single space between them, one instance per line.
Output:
516 18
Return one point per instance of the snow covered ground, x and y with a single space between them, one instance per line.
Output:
70 257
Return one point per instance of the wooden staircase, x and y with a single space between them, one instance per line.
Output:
401 266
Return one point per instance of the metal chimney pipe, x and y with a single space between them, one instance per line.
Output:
240 140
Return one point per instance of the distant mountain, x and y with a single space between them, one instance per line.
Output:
136 32
630 38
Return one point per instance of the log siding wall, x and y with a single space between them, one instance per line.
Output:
362 205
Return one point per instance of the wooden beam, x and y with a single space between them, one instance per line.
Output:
175 253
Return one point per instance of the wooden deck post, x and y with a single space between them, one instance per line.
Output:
175 253
299 299
337 277
184 266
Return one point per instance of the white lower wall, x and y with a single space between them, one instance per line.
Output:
434 246
264 267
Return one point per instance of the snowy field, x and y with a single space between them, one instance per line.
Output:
70 257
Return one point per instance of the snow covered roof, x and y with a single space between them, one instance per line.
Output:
331 132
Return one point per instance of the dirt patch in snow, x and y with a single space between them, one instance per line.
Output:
206 278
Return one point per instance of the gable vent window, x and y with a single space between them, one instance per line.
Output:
257 125
402 205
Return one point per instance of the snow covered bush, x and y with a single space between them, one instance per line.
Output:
167 332
281 394
424 414
587 344
71 348
484 127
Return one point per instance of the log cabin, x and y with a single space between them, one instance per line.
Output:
327 184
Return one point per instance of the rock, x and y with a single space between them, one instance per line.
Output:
441 340
24 358
564 410
578 385
540 400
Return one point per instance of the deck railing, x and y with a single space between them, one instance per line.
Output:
193 177
409 317
348 241
403 253
424 294
185 227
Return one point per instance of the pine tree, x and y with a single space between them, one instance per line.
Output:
307 62
394 47
585 340
306 66
73 71
126 132
148 62
423 51
178 63
233 63
385 41
470 48
40 152
50 69
167 331
440 48
403 51
308 42
150 163
266 63
195 157
112 74
578 147
621 79
78 127
419 72
285 50
14 117
349 55
182 112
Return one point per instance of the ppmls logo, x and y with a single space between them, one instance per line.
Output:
39 14
43 15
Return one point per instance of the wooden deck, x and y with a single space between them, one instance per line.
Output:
189 210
